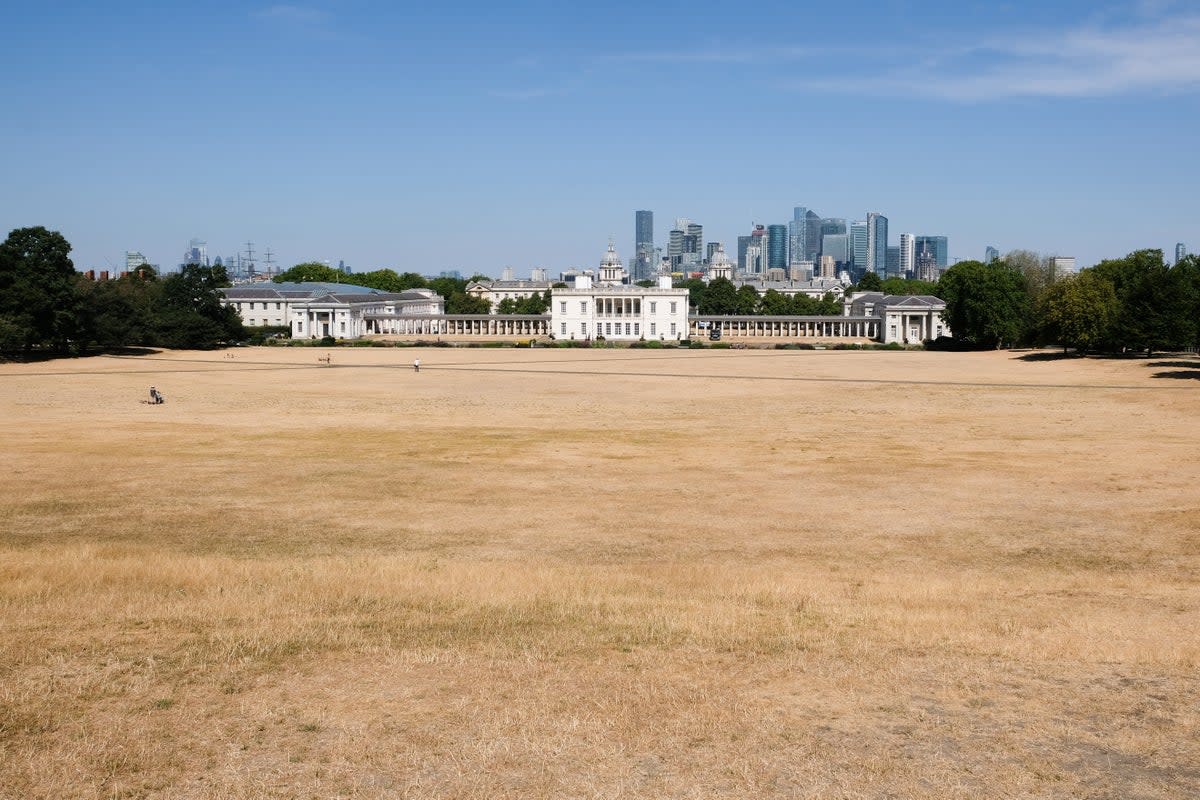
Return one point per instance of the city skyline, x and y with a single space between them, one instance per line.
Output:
443 139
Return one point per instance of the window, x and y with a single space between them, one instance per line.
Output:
608 328
673 304
583 328
672 328
653 328
583 307
627 327
653 308
637 329
564 329
278 306
563 306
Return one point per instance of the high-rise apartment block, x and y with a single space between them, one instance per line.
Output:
1180 252
908 255
990 254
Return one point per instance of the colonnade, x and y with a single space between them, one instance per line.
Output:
459 325
790 327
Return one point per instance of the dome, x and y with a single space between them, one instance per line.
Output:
611 259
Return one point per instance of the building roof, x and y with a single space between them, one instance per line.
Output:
319 291
924 302
509 285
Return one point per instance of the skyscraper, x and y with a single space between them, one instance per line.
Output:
893 261
877 243
685 248
990 254
196 253
837 246
743 252
804 235
753 257
858 246
908 255
937 246
812 244
643 245
777 247
1180 252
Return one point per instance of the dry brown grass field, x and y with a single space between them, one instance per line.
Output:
600 574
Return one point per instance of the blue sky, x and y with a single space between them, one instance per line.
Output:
473 136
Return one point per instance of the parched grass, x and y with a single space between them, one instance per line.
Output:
354 584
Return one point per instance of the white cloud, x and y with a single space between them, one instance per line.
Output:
1162 57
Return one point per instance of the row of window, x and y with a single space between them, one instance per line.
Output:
614 329
583 307
266 306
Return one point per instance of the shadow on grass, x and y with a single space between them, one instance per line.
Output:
1192 364
1054 356
40 356
1181 374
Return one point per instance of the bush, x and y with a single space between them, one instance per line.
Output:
327 341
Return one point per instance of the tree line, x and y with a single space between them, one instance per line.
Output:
453 290
720 296
1136 303
46 306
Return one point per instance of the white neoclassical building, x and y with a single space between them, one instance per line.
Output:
612 309
906 319
506 289
316 310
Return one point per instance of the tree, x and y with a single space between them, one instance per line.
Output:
775 304
1154 301
120 313
312 272
719 297
1079 311
696 289
191 314
902 286
870 282
463 303
987 305
1035 269
38 301
746 301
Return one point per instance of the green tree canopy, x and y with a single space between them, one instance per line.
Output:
312 272
987 305
746 300
191 314
902 286
1079 311
870 282
38 299
719 297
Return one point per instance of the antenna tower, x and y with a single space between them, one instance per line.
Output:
250 259
270 264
